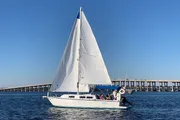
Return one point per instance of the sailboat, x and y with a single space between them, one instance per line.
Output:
81 66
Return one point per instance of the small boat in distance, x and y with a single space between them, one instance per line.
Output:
81 66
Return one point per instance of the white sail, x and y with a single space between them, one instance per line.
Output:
92 67
66 77
82 61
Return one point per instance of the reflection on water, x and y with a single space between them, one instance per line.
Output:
91 114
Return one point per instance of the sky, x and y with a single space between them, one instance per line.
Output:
140 38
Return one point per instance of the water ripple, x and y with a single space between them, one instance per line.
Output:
31 106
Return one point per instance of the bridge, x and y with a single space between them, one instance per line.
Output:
28 88
149 85
139 85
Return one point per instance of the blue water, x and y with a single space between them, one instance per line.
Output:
31 106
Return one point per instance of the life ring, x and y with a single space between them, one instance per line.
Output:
122 91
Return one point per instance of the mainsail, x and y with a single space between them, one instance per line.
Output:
81 62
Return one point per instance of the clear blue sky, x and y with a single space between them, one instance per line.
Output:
137 37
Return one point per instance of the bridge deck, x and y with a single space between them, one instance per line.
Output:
139 85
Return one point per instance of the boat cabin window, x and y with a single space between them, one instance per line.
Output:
71 96
89 97
81 96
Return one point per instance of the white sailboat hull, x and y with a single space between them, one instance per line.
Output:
84 103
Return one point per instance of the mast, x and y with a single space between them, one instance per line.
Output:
79 51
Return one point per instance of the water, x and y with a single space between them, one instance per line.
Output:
31 106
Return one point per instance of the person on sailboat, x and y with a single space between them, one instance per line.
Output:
124 101
108 97
102 97
114 94
97 96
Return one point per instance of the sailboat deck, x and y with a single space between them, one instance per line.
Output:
86 97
